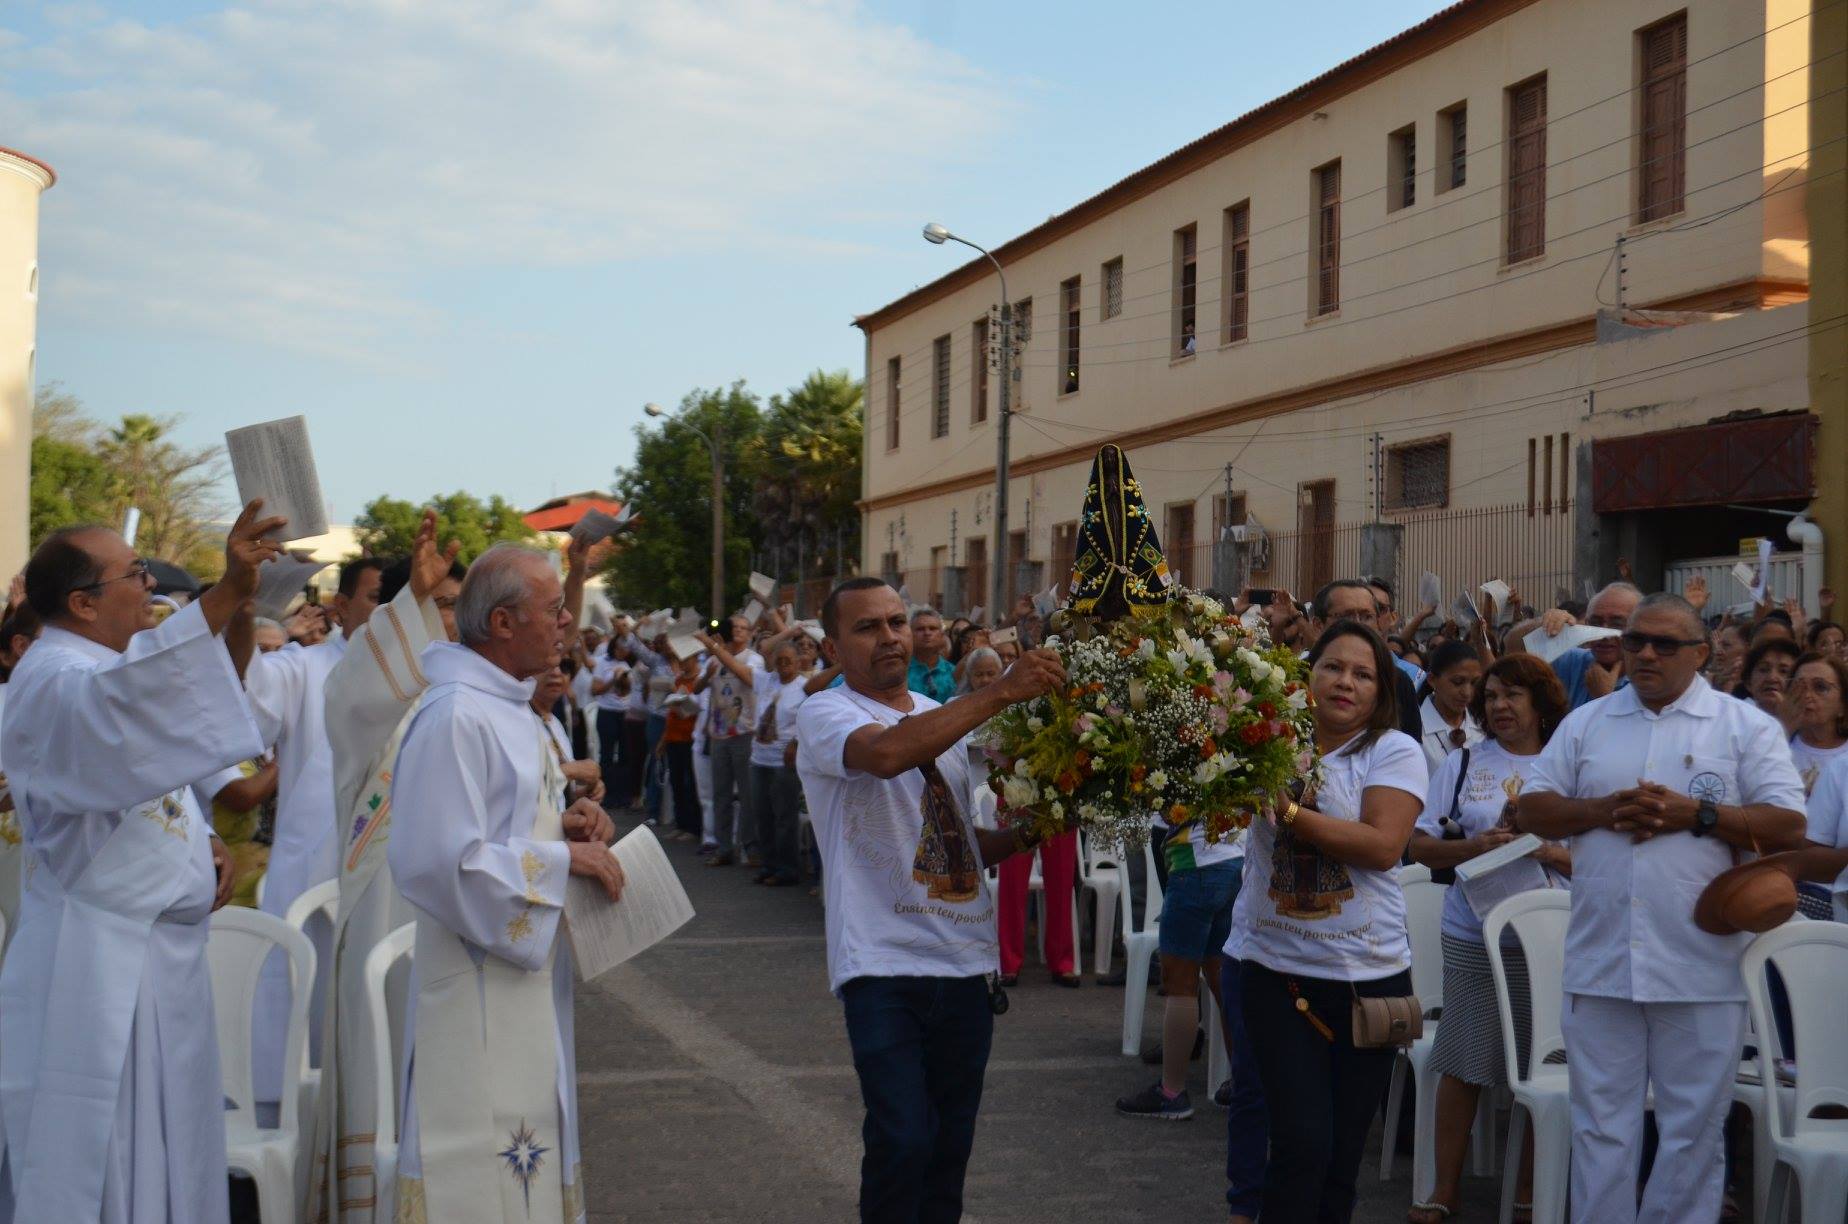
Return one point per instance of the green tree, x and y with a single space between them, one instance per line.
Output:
805 477
667 561
176 489
70 485
388 525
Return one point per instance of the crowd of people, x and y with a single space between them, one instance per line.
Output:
450 745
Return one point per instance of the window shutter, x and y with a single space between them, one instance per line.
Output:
1238 313
1328 253
1527 171
1664 136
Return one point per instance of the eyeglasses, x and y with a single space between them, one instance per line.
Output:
1665 647
138 571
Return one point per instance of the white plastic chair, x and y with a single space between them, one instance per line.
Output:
239 942
1812 958
1424 909
1101 874
1542 1091
385 1008
1139 944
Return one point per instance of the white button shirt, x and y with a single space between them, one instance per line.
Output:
1632 934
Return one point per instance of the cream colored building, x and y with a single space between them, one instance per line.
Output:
1493 281
22 179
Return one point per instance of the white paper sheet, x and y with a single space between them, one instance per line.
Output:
131 525
281 579
1550 648
1047 601
763 586
1430 590
753 612
975 614
683 645
653 906
1497 590
1494 860
274 461
595 526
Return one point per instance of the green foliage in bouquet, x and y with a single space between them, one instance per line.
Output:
1175 709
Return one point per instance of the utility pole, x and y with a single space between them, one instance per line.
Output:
1623 268
718 517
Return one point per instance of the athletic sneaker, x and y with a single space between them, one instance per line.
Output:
1152 1102
1222 1095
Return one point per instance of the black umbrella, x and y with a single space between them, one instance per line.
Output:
170 579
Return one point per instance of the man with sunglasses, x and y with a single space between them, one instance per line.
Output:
1659 785
109 1074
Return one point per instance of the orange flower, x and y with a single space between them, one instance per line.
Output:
1068 781
1202 690
1208 748
1177 814
1138 771
1082 759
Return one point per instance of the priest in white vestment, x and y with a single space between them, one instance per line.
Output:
109 1073
481 850
287 690
370 695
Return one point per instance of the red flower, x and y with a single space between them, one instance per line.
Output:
1267 709
1254 734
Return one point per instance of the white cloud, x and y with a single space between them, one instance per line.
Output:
298 170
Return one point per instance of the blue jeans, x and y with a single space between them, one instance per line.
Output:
920 1047
1247 1125
651 788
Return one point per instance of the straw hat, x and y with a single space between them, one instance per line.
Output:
1754 896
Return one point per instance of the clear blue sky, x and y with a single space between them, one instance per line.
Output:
470 240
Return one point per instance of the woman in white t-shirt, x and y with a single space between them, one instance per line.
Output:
609 688
1814 705
1449 686
1320 920
1468 812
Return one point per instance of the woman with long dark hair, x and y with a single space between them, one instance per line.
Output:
1320 920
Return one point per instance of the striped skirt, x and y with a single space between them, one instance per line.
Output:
1468 1045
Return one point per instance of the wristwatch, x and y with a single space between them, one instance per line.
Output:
1706 816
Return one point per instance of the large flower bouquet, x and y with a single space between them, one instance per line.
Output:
1176 709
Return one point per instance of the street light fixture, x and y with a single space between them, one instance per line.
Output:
939 234
718 498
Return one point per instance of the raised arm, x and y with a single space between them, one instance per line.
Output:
886 752
730 661
577 572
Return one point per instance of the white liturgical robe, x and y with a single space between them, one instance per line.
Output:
109 1074
286 692
476 851
370 696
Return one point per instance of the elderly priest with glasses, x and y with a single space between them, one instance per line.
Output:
1660 786
109 1078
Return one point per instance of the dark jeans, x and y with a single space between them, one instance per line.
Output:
686 789
920 1047
1247 1124
1321 1095
632 759
775 793
654 773
609 744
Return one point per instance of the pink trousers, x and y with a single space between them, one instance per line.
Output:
1059 866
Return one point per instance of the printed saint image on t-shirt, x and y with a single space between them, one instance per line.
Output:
1305 883
945 863
766 725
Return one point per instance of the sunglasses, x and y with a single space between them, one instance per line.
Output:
138 571
1665 647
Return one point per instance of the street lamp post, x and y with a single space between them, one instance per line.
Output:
718 498
997 577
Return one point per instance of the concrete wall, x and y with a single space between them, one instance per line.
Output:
21 181
1436 334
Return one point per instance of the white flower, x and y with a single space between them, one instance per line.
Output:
1058 810
1036 724
1177 659
1206 771
1299 700
1050 792
1146 649
1020 767
1158 780
1260 670
1019 792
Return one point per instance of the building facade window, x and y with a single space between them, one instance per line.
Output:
1526 171
940 388
1237 273
1315 533
1453 137
1064 553
1327 246
1178 541
892 372
1112 298
978 372
1418 475
1227 514
1072 312
975 574
1186 289
888 567
1402 168
1662 177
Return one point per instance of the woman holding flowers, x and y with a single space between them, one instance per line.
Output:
1320 920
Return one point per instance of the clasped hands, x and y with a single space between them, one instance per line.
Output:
588 830
1649 808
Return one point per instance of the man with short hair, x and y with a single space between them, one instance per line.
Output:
1660 785
1388 623
288 693
109 1075
931 673
481 849
1352 599
731 715
1594 671
910 920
